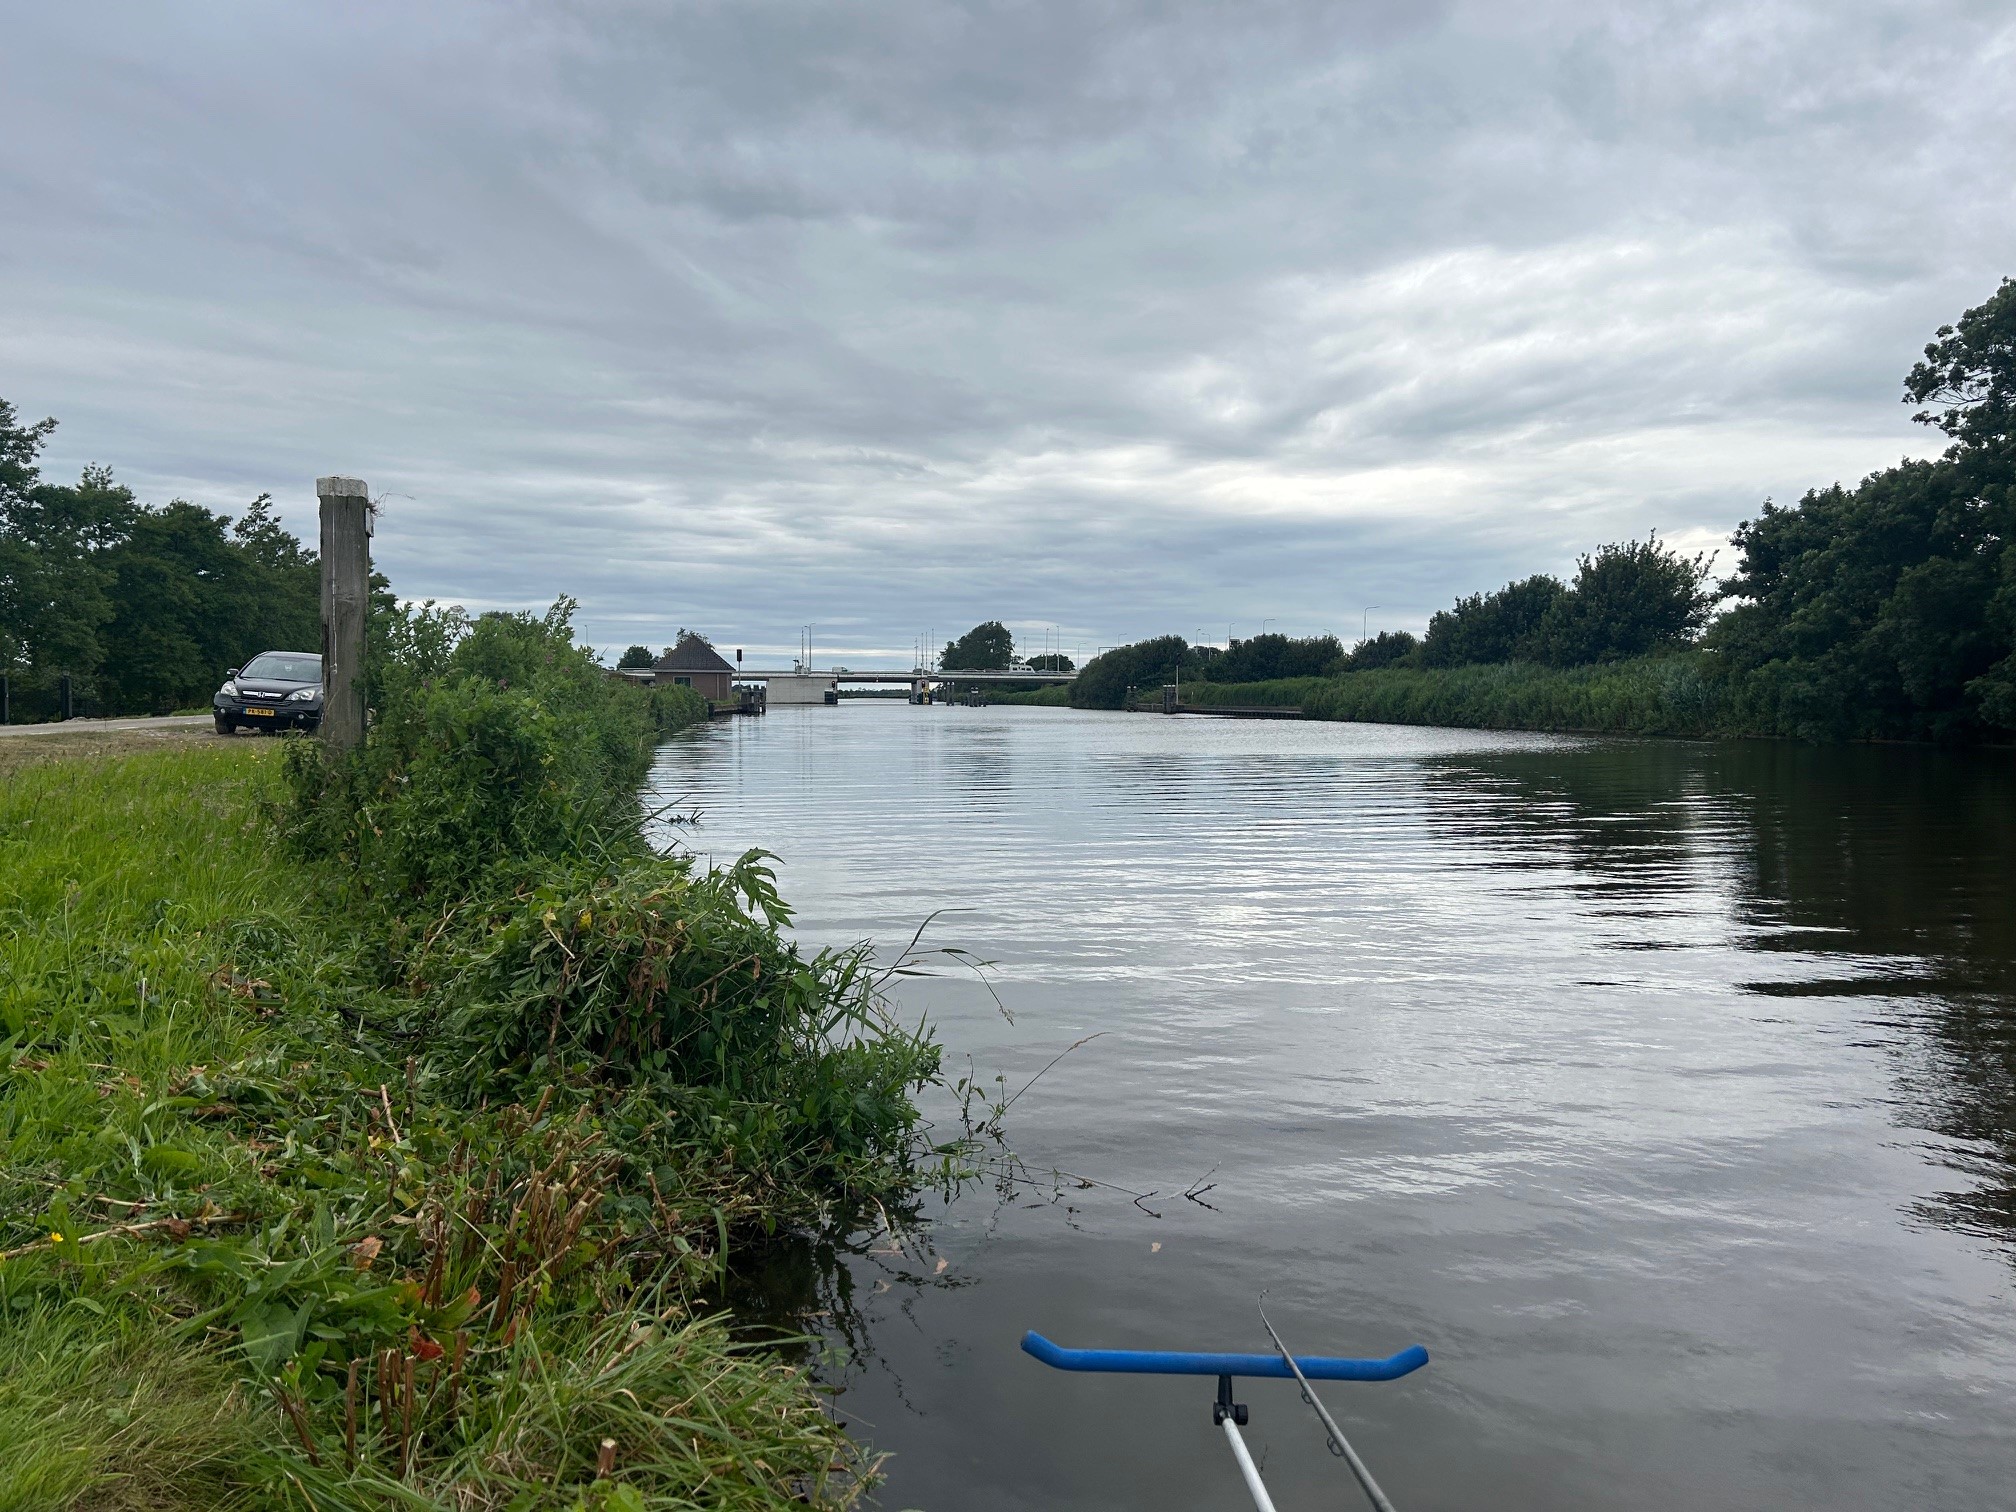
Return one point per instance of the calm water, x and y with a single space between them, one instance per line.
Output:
1666 1092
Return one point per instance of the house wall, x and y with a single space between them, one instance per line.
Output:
714 685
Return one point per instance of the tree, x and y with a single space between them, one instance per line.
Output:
1630 598
1389 648
985 648
634 657
1492 627
1146 664
1262 658
143 607
1969 374
1050 661
54 584
186 607
285 611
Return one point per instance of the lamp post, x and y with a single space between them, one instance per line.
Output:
1365 621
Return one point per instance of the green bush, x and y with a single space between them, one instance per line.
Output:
661 979
496 744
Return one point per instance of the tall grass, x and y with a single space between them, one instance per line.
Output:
1057 696
411 1169
1671 695
1280 693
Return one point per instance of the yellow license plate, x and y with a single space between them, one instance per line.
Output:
260 713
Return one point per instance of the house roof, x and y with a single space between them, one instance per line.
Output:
692 654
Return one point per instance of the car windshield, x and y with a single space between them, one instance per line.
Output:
283 668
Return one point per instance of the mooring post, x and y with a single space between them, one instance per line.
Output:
346 586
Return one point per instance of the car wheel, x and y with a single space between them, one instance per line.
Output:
224 726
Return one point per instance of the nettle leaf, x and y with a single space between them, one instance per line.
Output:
271 1333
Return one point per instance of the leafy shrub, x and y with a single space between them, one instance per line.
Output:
496 744
672 982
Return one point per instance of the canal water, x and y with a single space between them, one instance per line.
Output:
1666 1092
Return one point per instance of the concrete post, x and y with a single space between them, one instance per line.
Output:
346 583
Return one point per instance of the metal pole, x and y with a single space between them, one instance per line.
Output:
1255 1487
63 696
346 588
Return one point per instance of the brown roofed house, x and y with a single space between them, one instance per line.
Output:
695 664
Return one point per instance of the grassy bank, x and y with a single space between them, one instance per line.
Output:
1281 693
368 1137
1676 695
1057 697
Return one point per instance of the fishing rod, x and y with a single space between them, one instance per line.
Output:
1338 1445
1231 1415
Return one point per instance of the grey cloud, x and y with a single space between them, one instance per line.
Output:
1122 317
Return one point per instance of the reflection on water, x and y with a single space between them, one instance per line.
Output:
1663 1090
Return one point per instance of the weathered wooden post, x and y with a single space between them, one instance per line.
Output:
346 586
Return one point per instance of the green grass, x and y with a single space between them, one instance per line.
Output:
247 1221
1057 696
1673 695
108 1411
123 883
1284 692
1678 695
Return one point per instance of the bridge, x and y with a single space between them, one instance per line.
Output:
1020 675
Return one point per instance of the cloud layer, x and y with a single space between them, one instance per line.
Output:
1123 318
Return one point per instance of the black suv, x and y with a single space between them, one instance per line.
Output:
276 690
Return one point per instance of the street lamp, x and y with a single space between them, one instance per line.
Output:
1365 621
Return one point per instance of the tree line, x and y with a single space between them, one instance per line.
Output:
1886 610
142 607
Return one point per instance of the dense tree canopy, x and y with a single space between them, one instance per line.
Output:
1146 664
1492 627
1389 648
144 608
635 657
1050 661
1630 598
1261 658
984 648
1889 609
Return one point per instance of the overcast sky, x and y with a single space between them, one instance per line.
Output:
1120 318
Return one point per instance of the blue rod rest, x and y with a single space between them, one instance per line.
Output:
1177 1362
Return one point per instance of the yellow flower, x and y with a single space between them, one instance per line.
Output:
55 1238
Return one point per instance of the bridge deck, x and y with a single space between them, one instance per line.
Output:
1020 675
